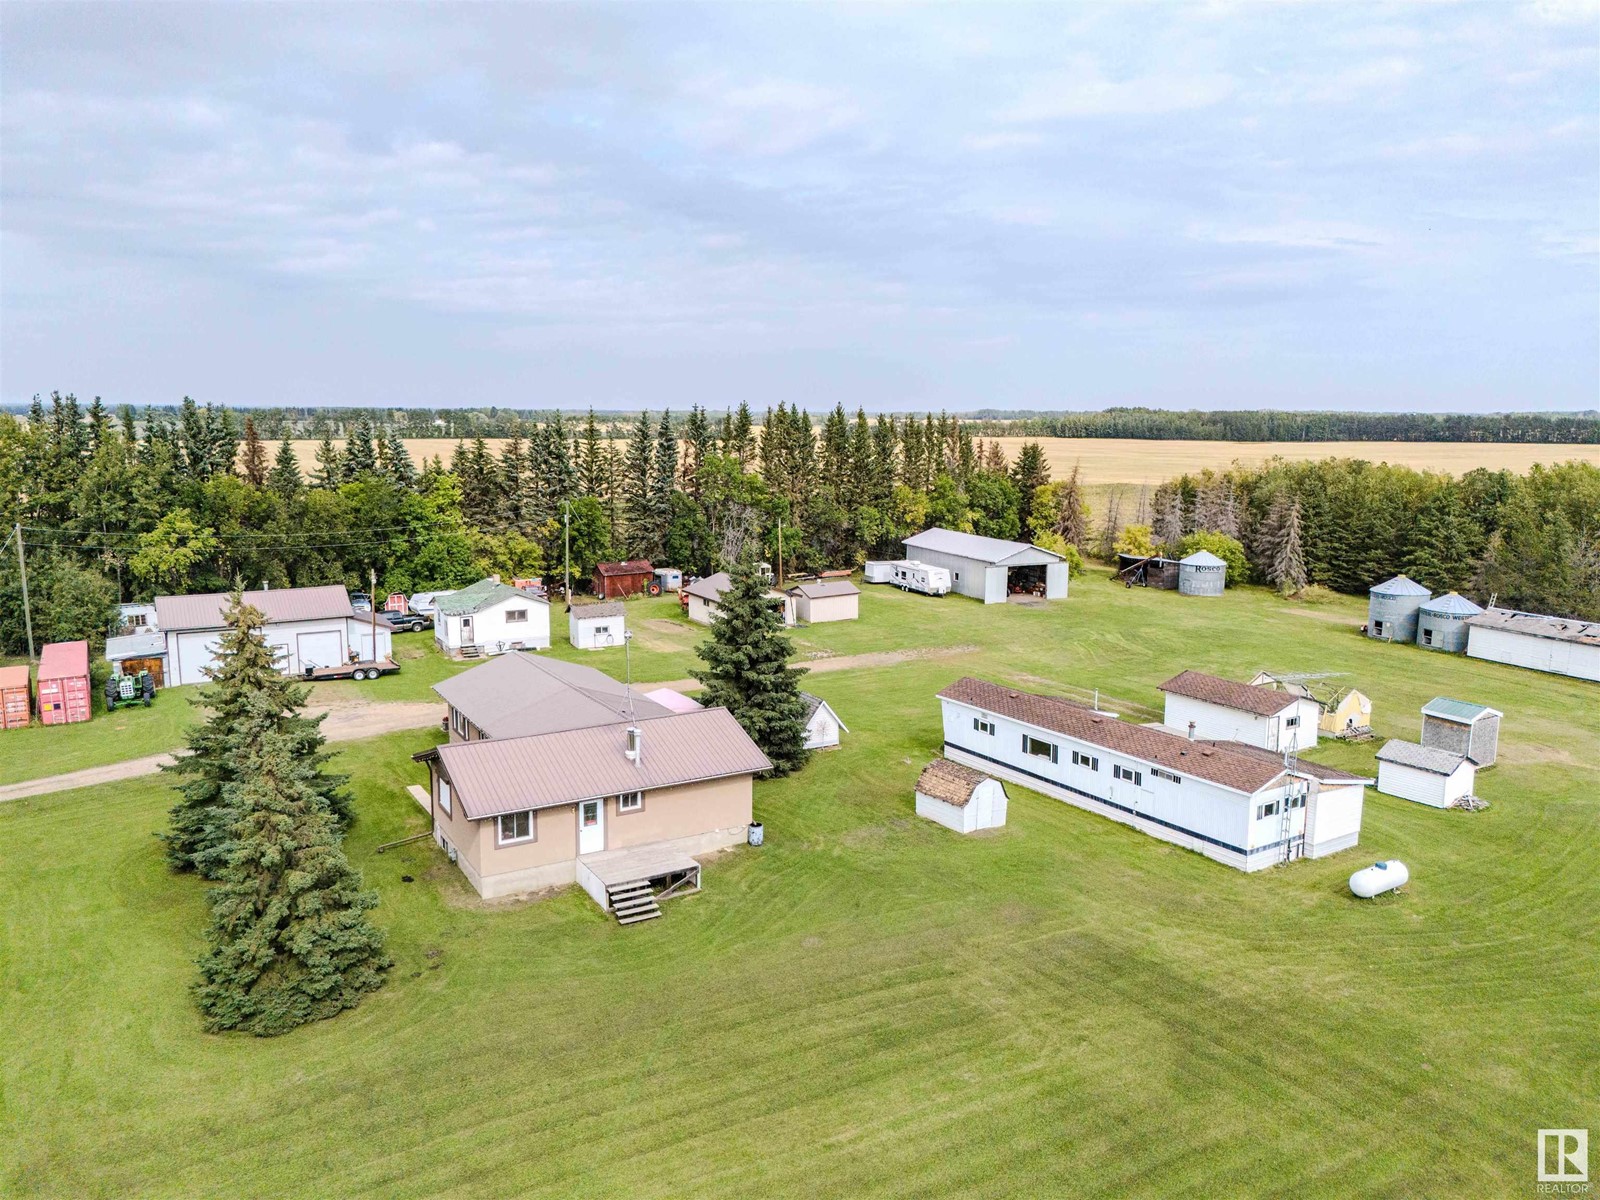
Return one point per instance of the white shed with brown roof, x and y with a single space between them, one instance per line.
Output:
596 626
1213 707
959 797
826 600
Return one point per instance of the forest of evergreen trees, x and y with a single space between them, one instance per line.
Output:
122 506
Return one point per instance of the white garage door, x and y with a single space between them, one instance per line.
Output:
320 649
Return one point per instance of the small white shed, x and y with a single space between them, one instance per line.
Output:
826 600
959 797
1425 774
596 626
822 723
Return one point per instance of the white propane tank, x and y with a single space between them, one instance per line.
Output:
1379 878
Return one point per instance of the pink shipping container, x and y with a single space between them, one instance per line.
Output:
16 698
65 694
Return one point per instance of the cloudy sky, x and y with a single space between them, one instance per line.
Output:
1208 205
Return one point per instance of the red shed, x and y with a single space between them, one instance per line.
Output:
16 698
65 695
614 580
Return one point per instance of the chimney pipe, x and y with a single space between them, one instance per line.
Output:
635 745
1191 731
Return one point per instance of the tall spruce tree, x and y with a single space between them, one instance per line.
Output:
360 459
253 457
284 478
747 670
401 469
330 465
1287 569
245 683
637 500
289 939
1030 473
664 480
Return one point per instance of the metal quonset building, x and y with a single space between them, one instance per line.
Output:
1442 623
985 568
1202 574
1392 609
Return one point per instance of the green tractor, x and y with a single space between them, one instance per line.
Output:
130 689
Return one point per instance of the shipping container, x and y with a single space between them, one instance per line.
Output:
65 694
16 698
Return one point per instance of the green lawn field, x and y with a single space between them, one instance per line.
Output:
868 1005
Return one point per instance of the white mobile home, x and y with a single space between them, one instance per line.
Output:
490 617
1424 774
596 626
822 723
960 798
991 569
306 627
1232 802
1554 644
1241 712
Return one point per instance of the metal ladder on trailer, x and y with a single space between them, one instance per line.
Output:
1293 847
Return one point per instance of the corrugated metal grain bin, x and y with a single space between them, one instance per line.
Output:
1442 623
65 695
1392 609
1202 574
16 698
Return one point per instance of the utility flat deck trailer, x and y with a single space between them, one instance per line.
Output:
356 670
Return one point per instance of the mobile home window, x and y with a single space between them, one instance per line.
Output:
514 615
1167 775
1038 748
983 725
1294 802
444 793
1085 760
1134 777
630 802
1269 809
516 827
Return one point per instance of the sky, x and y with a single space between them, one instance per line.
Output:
1196 205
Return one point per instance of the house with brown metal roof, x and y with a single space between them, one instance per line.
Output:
1241 804
1213 707
307 627
556 773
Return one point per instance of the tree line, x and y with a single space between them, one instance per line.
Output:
1266 425
1529 542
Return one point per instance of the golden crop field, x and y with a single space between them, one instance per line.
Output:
1108 461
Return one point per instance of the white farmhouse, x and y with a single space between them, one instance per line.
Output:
1233 802
1213 707
1425 774
960 798
1555 644
990 569
306 627
596 626
822 723
490 617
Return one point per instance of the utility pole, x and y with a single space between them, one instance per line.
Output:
566 549
22 565
372 591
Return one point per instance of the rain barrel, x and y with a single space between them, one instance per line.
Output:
1379 878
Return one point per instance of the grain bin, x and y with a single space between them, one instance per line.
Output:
1202 574
16 698
1392 609
64 691
1442 623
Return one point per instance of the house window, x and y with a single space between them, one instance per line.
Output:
1038 748
1269 809
514 615
983 725
1128 773
137 620
516 827
458 721
1296 801
602 631
1291 722
630 802
1167 775
444 793
1085 760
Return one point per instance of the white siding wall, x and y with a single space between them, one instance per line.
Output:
967 576
823 730
1439 791
491 629
949 815
1229 724
595 633
1336 819
1214 814
1539 654
189 653
1055 581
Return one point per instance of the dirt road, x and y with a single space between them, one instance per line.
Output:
345 723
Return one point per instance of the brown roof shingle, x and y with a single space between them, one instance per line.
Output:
950 782
1245 697
511 774
1215 762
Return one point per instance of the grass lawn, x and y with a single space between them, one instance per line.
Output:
868 1004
